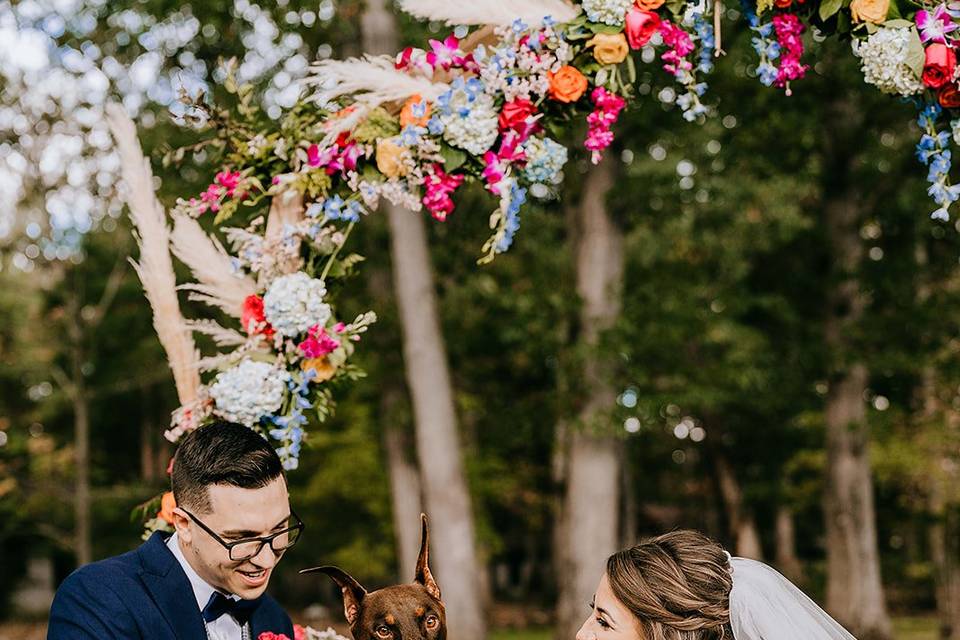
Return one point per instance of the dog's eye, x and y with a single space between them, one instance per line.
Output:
432 622
383 631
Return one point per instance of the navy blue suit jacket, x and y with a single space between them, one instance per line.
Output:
141 594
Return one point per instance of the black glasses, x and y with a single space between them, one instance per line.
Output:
250 547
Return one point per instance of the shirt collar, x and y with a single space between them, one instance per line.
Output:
201 588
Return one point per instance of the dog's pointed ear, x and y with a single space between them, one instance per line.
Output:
424 577
353 592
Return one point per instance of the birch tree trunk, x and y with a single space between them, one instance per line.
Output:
743 526
445 490
854 588
787 561
77 390
591 523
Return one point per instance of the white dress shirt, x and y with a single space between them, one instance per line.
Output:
226 627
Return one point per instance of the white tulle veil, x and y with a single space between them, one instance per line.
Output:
766 606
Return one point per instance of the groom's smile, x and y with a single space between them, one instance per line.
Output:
217 543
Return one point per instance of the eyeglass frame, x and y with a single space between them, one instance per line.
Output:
263 540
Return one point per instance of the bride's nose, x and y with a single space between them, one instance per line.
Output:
585 633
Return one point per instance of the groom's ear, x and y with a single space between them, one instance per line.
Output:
353 593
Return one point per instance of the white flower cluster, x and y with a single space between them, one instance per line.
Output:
884 61
545 160
521 72
294 303
470 125
610 12
248 391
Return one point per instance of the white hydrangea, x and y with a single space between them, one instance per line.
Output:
470 125
884 61
610 12
294 303
248 391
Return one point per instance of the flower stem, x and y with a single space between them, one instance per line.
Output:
333 256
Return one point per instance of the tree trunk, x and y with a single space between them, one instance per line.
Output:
438 441
742 525
787 561
445 490
148 453
404 490
81 428
854 588
591 527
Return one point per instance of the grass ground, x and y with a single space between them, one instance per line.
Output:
910 628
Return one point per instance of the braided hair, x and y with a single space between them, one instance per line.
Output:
677 585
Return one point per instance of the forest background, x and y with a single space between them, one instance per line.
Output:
748 326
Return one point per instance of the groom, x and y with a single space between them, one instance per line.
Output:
206 581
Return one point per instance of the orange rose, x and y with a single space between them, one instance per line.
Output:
406 114
567 84
649 5
167 504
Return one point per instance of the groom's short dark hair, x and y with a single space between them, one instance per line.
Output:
221 453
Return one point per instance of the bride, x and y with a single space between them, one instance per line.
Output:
683 586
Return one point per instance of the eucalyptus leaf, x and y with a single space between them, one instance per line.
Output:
915 54
601 78
604 28
452 158
829 7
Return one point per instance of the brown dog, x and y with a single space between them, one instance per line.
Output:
401 612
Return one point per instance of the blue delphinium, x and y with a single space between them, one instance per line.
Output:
933 150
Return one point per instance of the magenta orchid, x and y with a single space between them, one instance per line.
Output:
438 187
318 343
446 54
607 109
935 26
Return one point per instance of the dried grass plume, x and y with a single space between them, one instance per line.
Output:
155 267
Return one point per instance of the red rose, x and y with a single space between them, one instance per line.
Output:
253 319
641 25
299 633
515 112
939 65
782 4
269 635
949 96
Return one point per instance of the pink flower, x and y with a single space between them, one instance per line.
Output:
935 26
493 172
607 108
318 343
299 633
228 180
438 187
339 327
445 54
789 30
269 635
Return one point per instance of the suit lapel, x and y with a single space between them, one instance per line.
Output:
170 589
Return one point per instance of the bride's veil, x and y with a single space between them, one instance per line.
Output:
766 606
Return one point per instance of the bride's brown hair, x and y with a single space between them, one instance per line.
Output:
677 585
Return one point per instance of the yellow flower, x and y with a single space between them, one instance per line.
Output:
322 366
390 156
873 11
609 48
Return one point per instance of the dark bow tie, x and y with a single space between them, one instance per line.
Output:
218 604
